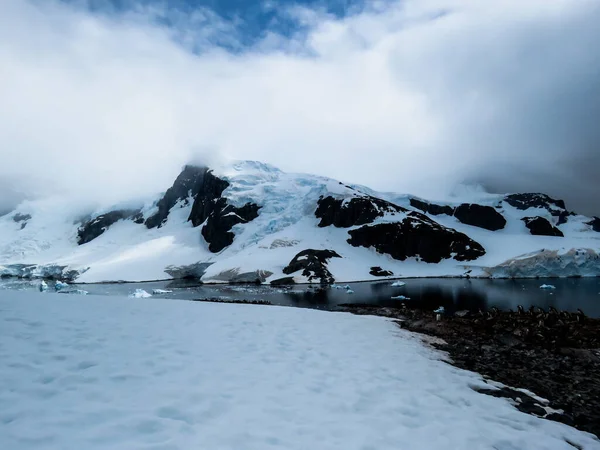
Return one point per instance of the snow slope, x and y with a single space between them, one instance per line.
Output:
97 372
285 226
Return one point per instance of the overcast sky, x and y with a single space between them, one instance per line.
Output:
106 101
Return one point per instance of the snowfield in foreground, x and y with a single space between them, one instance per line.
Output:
98 373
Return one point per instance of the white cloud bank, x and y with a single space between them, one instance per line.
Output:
410 96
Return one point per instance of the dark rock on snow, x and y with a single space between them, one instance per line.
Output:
221 220
357 211
563 217
379 272
535 200
431 208
22 218
417 236
313 264
18 217
521 401
480 216
206 189
209 192
595 224
538 226
93 228
187 184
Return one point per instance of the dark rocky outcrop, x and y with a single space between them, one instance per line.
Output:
480 216
431 208
595 224
22 219
93 228
563 217
356 211
417 236
536 200
285 281
217 230
379 272
523 402
208 206
187 184
313 264
206 199
538 226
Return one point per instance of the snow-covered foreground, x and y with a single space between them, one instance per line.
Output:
98 372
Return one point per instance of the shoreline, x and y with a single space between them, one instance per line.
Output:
556 357
198 282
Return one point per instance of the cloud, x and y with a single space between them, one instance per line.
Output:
411 96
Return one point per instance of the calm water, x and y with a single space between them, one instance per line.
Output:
453 294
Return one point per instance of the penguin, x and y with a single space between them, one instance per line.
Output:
520 310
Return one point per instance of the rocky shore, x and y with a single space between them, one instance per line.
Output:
554 354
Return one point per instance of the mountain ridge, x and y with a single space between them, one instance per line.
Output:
250 222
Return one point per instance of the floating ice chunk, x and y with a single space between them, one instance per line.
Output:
400 297
60 285
547 286
43 286
140 293
398 284
349 291
161 291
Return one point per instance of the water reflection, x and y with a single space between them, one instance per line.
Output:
454 294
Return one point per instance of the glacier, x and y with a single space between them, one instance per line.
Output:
125 249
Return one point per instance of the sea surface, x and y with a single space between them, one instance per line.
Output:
452 293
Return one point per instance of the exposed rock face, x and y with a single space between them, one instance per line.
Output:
379 272
95 227
206 189
539 226
480 216
536 200
595 224
217 231
356 211
431 208
209 192
22 218
417 236
313 264
563 217
188 184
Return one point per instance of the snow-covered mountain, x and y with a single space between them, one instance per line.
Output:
250 222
